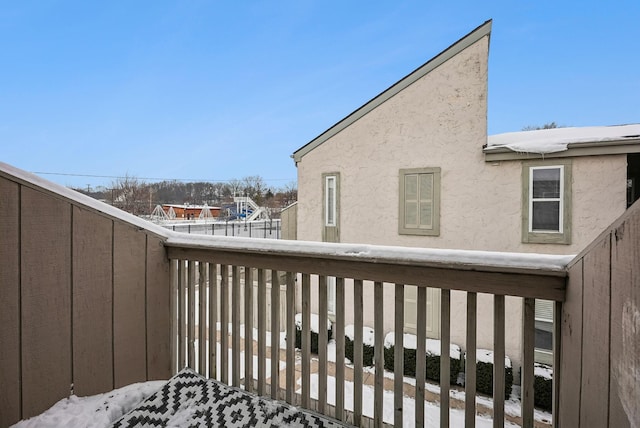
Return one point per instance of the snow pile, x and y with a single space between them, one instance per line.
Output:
95 411
368 336
543 371
486 356
315 323
558 139
410 341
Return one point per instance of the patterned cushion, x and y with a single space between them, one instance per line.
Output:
190 400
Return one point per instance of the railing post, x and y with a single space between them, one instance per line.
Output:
291 334
398 356
248 328
378 307
339 348
213 320
527 371
498 361
275 334
445 356
470 366
557 352
421 363
306 340
191 350
235 326
322 344
262 331
357 351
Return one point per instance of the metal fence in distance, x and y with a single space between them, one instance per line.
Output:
250 229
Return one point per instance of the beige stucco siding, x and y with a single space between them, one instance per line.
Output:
440 121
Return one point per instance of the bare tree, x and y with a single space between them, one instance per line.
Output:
550 125
130 194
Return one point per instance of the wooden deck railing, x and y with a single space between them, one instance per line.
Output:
93 299
213 283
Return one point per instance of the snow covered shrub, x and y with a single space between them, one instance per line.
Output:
484 373
432 357
543 386
315 322
367 344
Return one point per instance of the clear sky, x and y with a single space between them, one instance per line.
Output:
216 90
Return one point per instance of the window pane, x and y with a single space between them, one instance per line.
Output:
426 187
411 214
426 215
411 187
546 216
331 201
546 183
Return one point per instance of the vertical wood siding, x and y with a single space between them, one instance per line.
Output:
10 392
600 357
85 301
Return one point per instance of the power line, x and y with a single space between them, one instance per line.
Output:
206 180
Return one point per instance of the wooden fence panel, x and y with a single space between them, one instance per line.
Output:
595 327
92 260
158 310
129 323
46 300
571 352
625 325
10 407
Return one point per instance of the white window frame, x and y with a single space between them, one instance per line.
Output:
559 199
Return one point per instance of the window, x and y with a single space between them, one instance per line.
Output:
331 207
546 202
544 331
419 202
330 200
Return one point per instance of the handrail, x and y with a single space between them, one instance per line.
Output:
514 274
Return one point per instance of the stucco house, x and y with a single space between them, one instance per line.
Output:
414 167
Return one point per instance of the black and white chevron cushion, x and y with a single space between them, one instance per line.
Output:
190 400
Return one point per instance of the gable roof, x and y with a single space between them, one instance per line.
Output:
466 41
563 142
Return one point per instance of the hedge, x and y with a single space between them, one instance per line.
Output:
432 361
543 387
484 379
314 334
367 349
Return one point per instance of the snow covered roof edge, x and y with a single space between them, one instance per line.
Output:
554 140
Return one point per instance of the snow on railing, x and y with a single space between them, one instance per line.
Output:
222 285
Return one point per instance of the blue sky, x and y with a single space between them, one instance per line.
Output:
217 90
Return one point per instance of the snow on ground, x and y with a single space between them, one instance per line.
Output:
99 410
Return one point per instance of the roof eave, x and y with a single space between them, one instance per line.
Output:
591 148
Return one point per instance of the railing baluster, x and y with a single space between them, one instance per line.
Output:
291 334
213 320
235 326
357 351
378 308
339 348
262 329
182 318
528 344
322 344
224 324
470 366
421 358
498 361
248 328
445 359
202 318
398 355
275 334
306 340
557 349
175 316
191 350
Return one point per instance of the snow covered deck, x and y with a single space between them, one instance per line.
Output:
94 299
